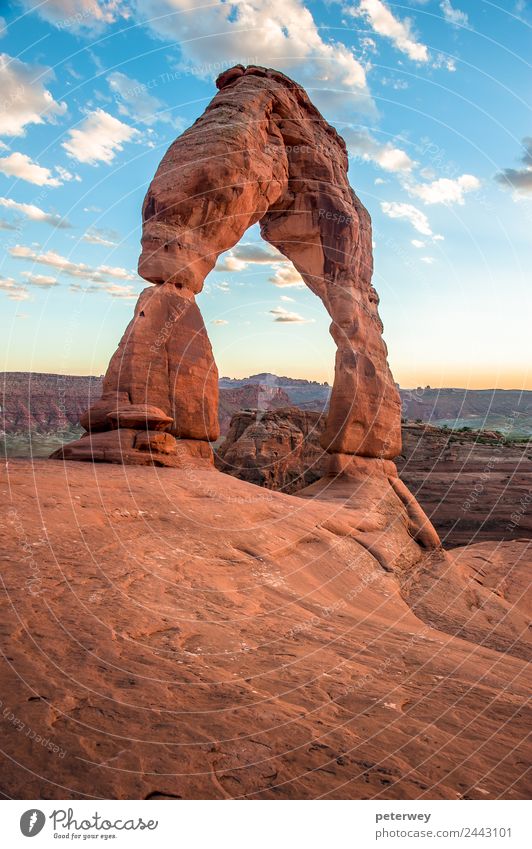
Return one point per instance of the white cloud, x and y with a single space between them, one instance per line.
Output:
219 322
77 15
275 33
519 179
410 213
361 143
22 166
25 100
3 27
427 259
286 298
135 101
35 213
115 290
445 190
249 253
285 317
99 138
72 269
230 263
41 280
65 175
381 19
223 287
15 292
453 16
287 277
106 238
443 61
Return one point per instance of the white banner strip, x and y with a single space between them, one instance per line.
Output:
268 824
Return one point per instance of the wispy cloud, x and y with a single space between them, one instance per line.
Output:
97 236
276 33
15 292
452 15
362 144
115 290
410 213
398 31
43 281
35 213
249 253
78 15
73 269
136 102
284 317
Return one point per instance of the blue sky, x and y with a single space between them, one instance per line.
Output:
432 98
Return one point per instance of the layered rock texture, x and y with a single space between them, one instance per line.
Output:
278 449
261 152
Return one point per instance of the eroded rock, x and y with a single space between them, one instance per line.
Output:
261 152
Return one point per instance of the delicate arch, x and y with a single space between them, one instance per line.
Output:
261 152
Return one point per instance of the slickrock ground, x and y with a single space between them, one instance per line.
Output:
181 633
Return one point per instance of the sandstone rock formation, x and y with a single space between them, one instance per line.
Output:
261 152
254 396
279 449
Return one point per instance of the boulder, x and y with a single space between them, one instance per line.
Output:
140 416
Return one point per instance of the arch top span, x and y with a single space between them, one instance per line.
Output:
260 153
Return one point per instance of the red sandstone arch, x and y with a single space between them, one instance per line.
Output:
261 152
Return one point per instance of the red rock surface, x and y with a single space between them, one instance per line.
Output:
183 634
